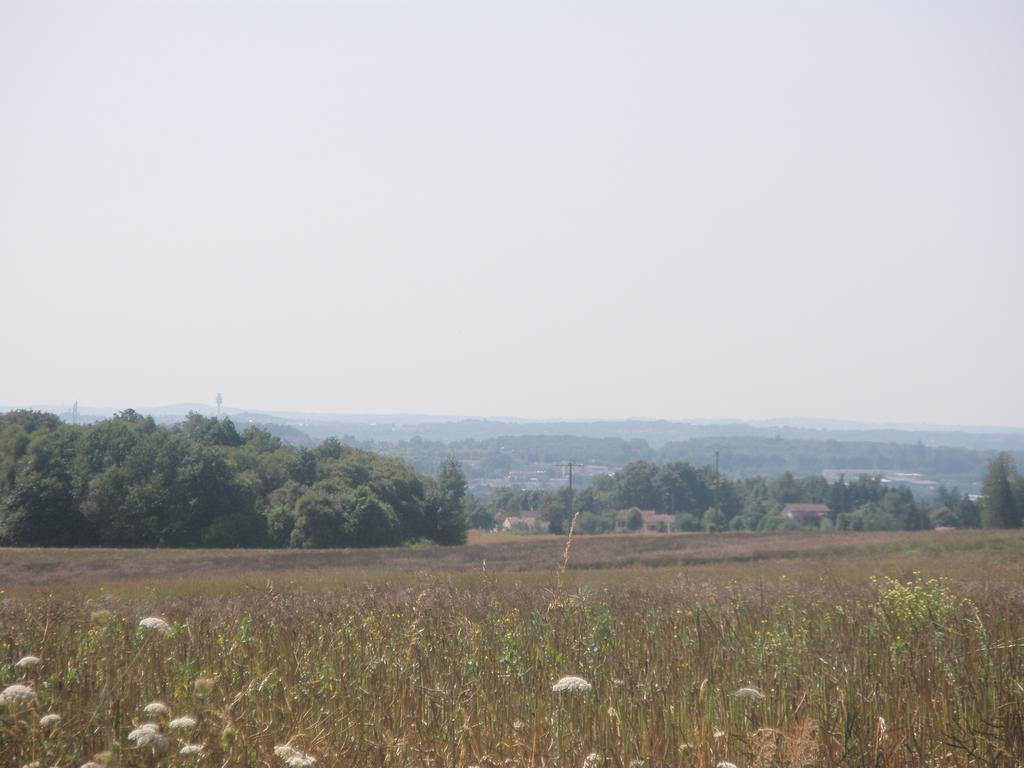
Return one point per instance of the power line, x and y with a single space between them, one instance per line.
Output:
572 505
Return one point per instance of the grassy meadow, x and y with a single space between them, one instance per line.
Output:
745 649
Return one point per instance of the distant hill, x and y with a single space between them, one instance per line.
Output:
655 433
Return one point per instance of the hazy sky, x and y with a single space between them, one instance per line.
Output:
571 210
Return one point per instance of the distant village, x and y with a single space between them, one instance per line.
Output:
648 521
551 476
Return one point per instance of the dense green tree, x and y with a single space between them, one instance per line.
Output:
591 499
839 497
681 489
636 487
393 481
29 420
757 501
686 521
303 468
478 514
126 482
1017 486
778 523
169 491
634 519
333 515
281 505
556 509
14 440
713 520
873 517
944 517
591 522
260 440
998 506
743 523
209 430
969 512
39 508
899 504
331 448
447 502
270 468
323 517
785 489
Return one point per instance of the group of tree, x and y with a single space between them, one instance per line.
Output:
126 482
700 499
1002 499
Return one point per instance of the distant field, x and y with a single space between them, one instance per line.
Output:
784 650
56 568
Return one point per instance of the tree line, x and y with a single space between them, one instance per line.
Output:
126 482
701 500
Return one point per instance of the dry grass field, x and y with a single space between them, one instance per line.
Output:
752 650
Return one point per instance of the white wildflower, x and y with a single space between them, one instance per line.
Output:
155 708
592 760
749 693
726 764
191 749
33 764
156 624
292 757
48 720
182 723
718 733
148 735
27 662
571 683
144 728
17 694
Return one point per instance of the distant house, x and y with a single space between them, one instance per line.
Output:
521 523
808 514
652 521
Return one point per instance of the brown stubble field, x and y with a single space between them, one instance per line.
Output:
71 568
754 650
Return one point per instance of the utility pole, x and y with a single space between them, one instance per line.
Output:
718 509
220 399
74 413
572 498
568 540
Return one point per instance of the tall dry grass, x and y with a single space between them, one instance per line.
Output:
457 669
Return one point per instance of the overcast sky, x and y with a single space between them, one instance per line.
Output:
569 210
